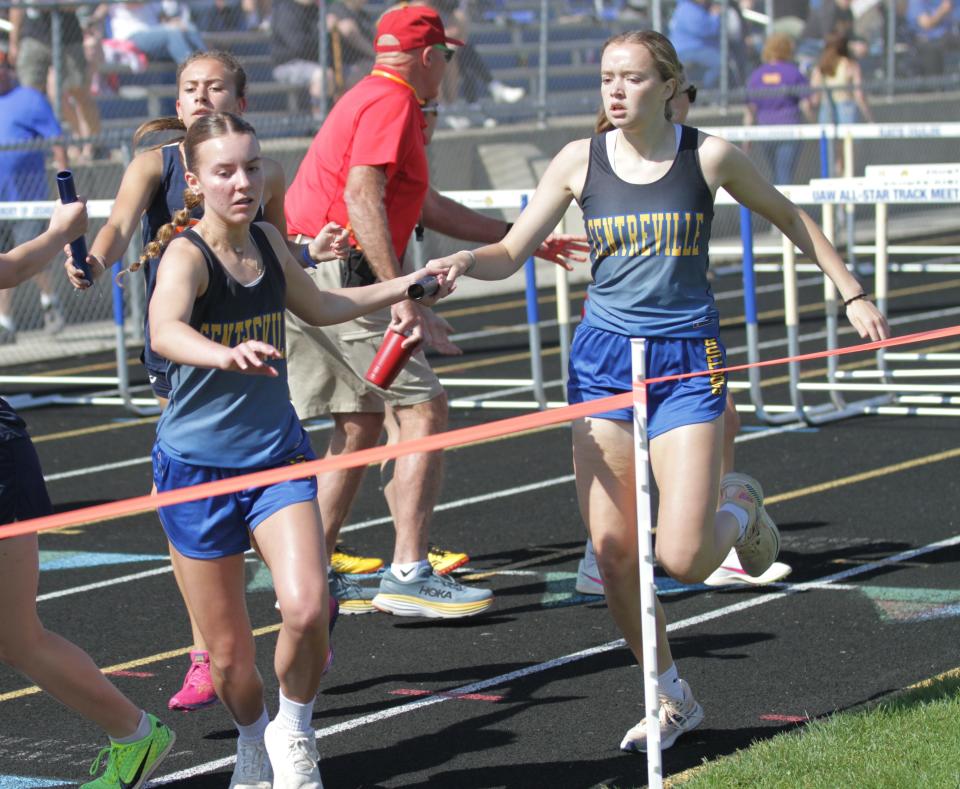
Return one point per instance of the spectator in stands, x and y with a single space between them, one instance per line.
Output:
217 16
25 115
837 89
161 33
295 50
830 16
468 77
776 95
838 84
352 27
695 34
31 48
931 22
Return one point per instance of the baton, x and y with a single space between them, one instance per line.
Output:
423 288
78 247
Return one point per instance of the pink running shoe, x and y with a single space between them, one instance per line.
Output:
197 691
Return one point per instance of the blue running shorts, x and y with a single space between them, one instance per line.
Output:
220 526
600 366
23 493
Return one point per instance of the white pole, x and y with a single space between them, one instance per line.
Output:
648 592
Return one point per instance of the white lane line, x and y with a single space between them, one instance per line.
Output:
474 687
100 584
450 505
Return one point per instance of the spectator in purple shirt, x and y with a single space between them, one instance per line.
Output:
776 95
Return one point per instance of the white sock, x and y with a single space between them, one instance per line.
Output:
405 571
293 715
7 322
142 730
669 682
740 514
254 731
46 299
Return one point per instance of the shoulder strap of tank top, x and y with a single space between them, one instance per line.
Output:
688 138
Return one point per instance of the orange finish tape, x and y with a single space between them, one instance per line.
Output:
432 443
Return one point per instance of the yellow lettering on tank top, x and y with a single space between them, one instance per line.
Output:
675 247
608 234
644 243
686 234
620 221
696 235
634 249
659 247
258 328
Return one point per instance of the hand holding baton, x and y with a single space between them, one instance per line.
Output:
423 288
78 247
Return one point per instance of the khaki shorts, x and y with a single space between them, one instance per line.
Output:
35 58
326 364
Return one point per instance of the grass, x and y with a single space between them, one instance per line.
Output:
909 740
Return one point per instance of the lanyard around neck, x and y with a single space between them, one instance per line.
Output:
399 80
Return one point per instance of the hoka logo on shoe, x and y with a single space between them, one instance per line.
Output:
441 593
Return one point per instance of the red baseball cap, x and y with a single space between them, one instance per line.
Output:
411 27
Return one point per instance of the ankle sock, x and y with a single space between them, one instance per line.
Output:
669 682
254 731
740 514
405 571
142 730
294 715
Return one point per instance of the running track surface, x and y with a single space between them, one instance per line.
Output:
538 691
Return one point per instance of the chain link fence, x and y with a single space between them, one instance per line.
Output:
526 84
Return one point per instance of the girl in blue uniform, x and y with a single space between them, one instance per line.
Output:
217 315
150 193
138 741
646 188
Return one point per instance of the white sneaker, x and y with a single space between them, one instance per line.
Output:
730 573
252 770
294 757
506 94
676 718
588 574
760 544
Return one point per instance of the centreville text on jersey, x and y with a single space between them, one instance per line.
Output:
667 233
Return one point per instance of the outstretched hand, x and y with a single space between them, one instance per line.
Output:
421 324
75 275
332 238
564 249
868 320
250 358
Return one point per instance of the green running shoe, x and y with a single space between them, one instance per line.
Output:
130 765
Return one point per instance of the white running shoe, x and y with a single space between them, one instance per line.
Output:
588 574
506 94
294 757
730 573
676 718
252 770
760 544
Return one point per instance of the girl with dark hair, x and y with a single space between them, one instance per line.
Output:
150 193
217 314
646 188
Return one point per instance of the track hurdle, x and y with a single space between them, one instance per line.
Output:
535 384
889 396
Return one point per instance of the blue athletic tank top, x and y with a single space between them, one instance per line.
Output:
229 419
649 247
167 200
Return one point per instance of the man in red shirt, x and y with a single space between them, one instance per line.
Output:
367 170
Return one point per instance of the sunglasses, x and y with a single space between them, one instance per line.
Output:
691 92
447 52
